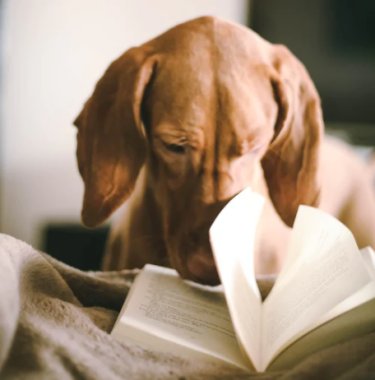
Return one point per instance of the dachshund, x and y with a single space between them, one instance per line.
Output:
178 126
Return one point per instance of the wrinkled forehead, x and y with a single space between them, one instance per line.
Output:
205 92
183 88
210 72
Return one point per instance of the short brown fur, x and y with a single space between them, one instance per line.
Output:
178 126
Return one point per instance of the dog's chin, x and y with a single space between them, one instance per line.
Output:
203 270
200 267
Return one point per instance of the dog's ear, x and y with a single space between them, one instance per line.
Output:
291 162
111 143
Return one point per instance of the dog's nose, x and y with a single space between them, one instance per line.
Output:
201 267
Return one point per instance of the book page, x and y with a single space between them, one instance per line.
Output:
368 255
162 307
361 296
354 323
232 238
325 268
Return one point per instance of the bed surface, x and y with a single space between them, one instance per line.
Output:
55 322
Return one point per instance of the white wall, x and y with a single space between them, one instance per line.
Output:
53 54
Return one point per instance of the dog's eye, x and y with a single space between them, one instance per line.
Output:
176 148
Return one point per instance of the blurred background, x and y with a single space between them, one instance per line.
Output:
53 52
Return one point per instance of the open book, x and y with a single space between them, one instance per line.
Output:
324 294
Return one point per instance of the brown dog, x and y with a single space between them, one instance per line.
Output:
178 126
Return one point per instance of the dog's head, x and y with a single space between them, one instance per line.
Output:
201 106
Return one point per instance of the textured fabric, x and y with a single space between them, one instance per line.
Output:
54 324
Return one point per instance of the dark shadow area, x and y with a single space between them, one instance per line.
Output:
75 245
335 40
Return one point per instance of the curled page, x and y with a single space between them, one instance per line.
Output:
324 268
232 238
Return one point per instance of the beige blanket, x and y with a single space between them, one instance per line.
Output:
54 324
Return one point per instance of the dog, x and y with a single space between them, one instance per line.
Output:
179 125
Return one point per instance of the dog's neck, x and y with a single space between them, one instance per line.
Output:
141 213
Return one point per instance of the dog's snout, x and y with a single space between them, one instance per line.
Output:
201 268
216 187
193 258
